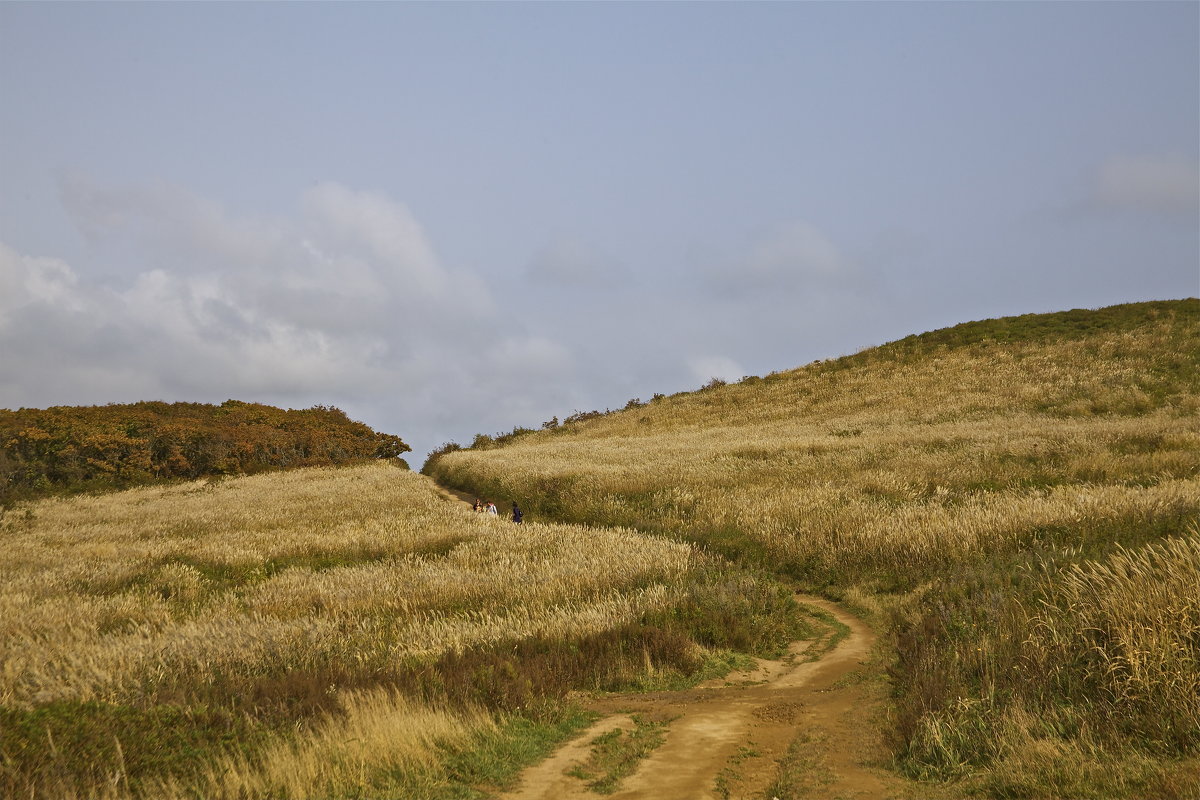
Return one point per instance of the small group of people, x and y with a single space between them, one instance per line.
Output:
488 507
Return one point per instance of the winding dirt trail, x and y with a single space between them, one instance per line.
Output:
805 724
726 738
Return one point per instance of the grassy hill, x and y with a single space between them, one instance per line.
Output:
1015 501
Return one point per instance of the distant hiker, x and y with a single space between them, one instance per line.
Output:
517 515
478 506
491 508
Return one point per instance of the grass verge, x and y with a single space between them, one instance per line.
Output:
615 754
498 757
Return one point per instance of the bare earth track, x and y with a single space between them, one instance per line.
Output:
727 737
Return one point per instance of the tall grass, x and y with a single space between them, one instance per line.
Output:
106 597
382 744
933 476
324 632
1118 637
1087 663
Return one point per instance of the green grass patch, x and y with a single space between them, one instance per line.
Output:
496 760
729 779
616 754
739 609
834 632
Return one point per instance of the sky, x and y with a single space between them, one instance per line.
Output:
454 218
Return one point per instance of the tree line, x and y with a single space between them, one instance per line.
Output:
79 448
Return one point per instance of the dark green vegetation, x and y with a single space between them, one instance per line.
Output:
86 448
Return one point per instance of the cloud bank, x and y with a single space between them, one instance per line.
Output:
345 303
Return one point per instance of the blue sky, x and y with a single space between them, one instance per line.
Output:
454 218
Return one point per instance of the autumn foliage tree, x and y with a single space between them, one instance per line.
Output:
115 446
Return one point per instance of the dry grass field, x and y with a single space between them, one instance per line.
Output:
1015 501
322 632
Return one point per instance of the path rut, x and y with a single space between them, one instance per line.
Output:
727 737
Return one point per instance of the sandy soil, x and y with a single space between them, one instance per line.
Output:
726 737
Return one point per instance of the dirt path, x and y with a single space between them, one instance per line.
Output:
455 494
801 727
726 738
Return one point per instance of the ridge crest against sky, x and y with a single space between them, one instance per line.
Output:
457 218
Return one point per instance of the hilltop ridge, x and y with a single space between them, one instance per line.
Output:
1125 359
1052 326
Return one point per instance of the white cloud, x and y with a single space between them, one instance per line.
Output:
380 230
1164 184
24 279
344 303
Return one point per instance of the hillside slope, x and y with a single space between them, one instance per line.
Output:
1019 497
